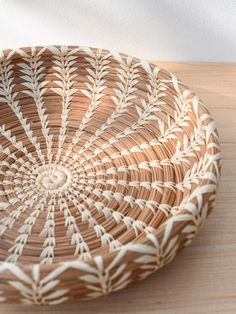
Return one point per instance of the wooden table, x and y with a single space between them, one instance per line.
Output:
202 279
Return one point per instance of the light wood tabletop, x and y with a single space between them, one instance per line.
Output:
202 279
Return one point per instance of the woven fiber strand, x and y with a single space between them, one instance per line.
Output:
108 167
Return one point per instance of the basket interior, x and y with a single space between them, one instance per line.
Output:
90 154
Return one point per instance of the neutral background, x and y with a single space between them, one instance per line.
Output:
180 30
202 280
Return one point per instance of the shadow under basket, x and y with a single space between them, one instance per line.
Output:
108 167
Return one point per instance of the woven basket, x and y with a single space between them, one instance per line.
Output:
108 167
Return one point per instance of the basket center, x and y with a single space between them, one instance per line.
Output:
53 178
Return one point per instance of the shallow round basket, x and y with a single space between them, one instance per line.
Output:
108 167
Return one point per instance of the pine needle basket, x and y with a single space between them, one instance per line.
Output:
108 167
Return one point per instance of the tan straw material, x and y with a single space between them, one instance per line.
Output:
108 167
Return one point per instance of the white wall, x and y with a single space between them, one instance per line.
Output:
200 30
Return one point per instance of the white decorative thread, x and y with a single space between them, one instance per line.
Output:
82 249
94 89
25 230
8 96
33 74
36 290
48 233
65 60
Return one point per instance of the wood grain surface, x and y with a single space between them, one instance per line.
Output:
202 279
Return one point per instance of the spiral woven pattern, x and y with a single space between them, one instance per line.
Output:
108 167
